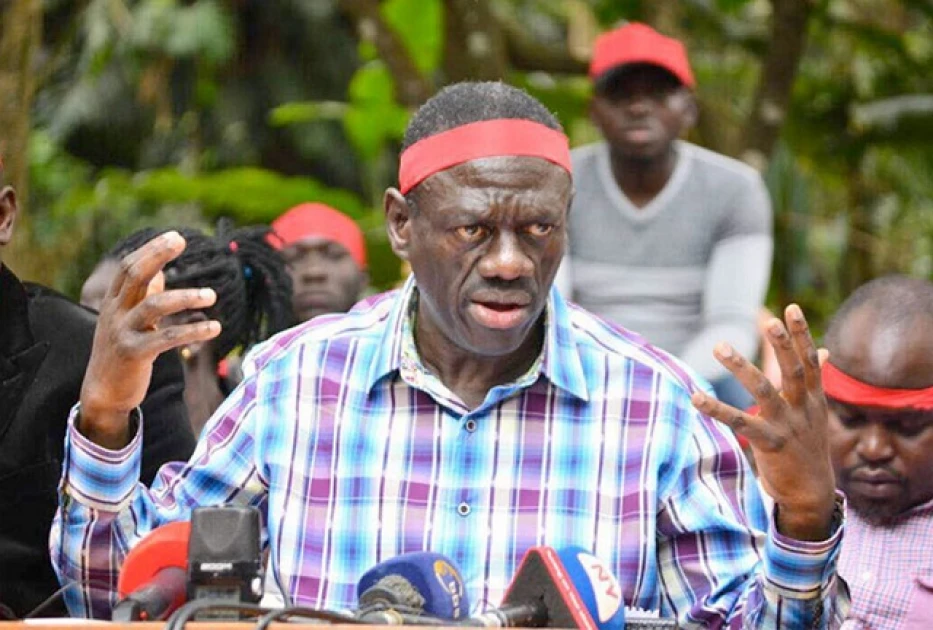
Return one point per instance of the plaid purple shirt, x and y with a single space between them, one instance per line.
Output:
889 570
355 453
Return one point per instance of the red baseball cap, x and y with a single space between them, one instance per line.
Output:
639 43
316 219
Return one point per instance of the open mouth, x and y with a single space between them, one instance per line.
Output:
499 315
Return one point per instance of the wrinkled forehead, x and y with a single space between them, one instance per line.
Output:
528 180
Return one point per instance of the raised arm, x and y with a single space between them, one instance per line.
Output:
103 508
790 442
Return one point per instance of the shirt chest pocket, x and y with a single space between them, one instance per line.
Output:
920 606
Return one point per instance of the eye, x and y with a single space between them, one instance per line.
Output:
337 253
471 233
540 229
912 425
850 421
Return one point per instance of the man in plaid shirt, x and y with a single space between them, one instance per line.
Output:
474 413
879 381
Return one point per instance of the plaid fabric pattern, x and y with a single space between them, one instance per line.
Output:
882 566
355 453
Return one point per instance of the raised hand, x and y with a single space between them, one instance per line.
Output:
129 337
789 435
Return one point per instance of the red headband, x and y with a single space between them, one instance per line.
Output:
840 386
316 219
489 138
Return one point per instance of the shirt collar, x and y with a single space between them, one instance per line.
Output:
560 361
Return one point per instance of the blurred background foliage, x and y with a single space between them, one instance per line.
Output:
141 112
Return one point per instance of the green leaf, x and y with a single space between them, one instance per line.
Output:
373 117
251 195
420 26
372 84
202 29
731 6
307 111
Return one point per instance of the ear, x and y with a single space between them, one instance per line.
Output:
691 111
8 211
594 111
398 222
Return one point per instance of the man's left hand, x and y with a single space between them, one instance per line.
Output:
789 436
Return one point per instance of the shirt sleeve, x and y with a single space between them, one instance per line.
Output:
736 281
104 509
722 562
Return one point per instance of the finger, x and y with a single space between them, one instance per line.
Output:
792 371
805 348
157 285
162 340
752 427
823 355
751 378
139 268
151 310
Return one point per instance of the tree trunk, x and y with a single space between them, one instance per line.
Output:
856 266
474 43
20 37
412 88
788 38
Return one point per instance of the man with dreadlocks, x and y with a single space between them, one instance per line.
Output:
253 291
45 343
473 413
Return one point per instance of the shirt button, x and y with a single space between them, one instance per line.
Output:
463 509
470 425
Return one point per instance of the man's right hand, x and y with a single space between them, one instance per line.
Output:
129 337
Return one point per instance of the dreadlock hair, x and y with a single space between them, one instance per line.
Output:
254 290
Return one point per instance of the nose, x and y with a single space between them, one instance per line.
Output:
875 444
505 259
638 103
313 269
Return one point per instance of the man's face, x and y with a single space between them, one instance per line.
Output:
641 110
325 278
484 241
883 458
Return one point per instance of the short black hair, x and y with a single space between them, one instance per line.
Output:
475 101
902 299
249 276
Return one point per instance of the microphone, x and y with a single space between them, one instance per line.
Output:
567 589
543 595
216 557
412 589
225 561
152 582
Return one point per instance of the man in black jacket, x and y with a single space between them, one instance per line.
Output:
45 342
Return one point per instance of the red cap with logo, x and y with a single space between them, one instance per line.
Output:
316 219
637 43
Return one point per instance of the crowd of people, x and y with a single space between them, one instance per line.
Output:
570 362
